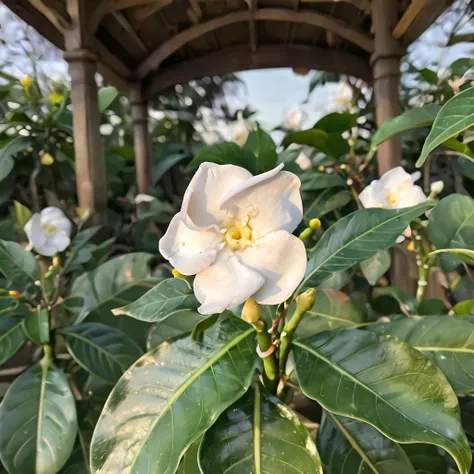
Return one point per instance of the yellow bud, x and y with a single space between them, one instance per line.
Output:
251 312
177 274
411 246
14 294
46 159
56 261
26 81
306 234
82 213
305 301
321 168
314 224
55 98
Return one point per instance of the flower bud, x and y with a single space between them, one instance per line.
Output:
177 274
56 261
46 159
436 188
14 294
306 234
251 312
305 301
26 81
314 224
55 98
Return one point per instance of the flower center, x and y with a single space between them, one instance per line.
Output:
50 228
238 236
393 199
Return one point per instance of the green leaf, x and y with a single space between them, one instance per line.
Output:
327 201
22 214
11 306
316 181
456 115
447 341
376 266
17 264
189 463
38 422
385 383
168 296
177 323
332 309
336 122
103 351
426 458
263 147
14 146
11 337
406 304
165 163
348 447
203 325
171 396
227 153
464 308
355 238
6 165
331 144
413 118
429 76
465 255
430 306
106 96
262 435
36 326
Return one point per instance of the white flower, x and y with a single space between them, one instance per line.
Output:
240 132
343 96
303 161
394 190
234 233
294 118
437 188
140 198
49 232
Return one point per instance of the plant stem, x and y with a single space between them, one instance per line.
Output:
424 263
270 369
287 338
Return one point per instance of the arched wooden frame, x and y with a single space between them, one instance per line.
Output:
319 20
239 58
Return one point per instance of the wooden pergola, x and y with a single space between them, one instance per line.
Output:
144 46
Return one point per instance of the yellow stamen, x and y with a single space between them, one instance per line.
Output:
238 236
393 199
50 228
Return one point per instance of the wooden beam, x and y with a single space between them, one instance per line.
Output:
142 13
126 25
319 20
238 58
54 11
414 9
363 5
253 37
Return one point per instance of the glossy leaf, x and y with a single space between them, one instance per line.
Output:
11 306
325 202
465 255
355 238
331 144
349 446
316 181
336 122
456 115
447 341
376 266
176 324
227 153
189 463
17 264
332 309
426 458
385 383
420 117
22 214
262 435
406 304
168 296
36 326
464 308
12 337
263 147
106 96
170 396
203 325
38 422
103 351
6 165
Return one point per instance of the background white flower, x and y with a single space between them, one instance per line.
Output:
394 190
294 118
234 233
240 132
49 232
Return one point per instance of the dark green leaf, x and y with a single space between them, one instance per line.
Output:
227 153
17 144
106 96
22 214
11 337
421 117
103 351
327 201
349 447
37 422
263 147
36 326
331 144
262 435
12 306
336 122
429 75
177 323
447 341
17 264
430 306
203 325
426 458
355 238
6 165
406 304
456 115
165 163
316 181
332 309
385 383
170 397
168 296
189 463
376 266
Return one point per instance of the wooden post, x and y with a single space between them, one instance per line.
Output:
386 72
141 137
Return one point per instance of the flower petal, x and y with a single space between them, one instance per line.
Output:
61 241
281 258
272 203
225 284
396 178
56 217
201 208
47 248
369 198
34 231
187 250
